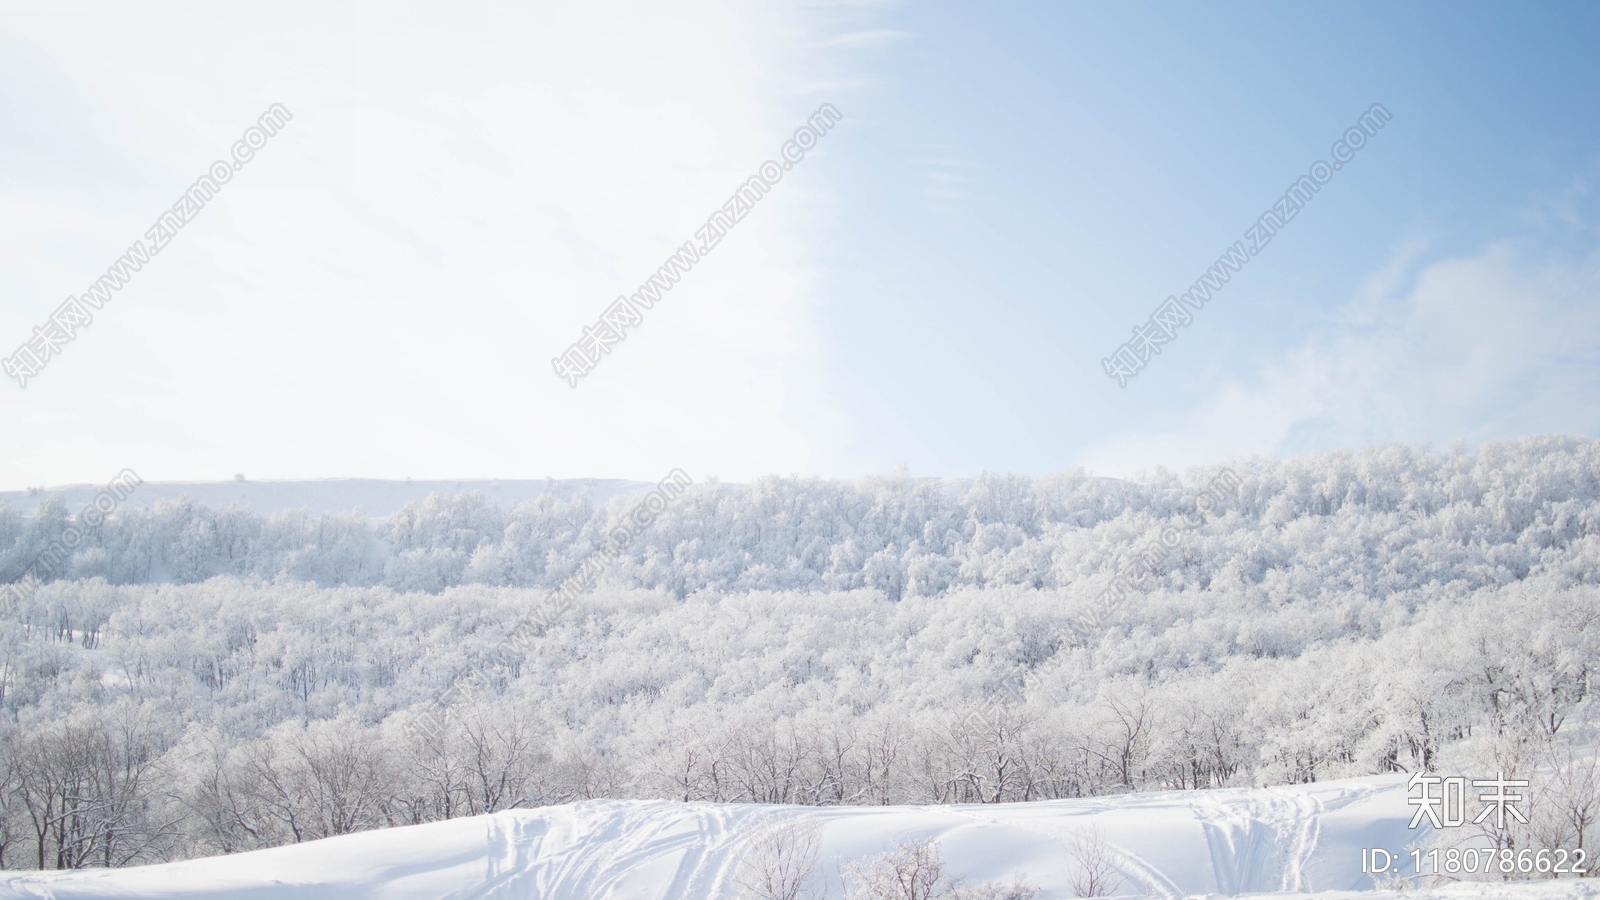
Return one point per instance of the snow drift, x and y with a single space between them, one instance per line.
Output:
1174 844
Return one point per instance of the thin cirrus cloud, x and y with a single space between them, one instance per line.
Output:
945 184
1501 343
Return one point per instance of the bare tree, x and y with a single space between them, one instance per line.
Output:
1573 793
910 871
503 759
991 755
883 757
915 871
1126 733
224 796
84 785
1095 876
324 779
994 890
781 862
12 827
434 781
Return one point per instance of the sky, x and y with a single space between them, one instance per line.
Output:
1012 188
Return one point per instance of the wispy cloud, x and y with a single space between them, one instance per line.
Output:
1502 343
945 183
863 39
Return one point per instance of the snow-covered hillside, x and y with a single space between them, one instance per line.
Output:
374 497
1172 844
1377 522
1340 617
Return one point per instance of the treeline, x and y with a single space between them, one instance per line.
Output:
1380 520
229 716
208 681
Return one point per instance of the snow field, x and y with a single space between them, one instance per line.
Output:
1170 845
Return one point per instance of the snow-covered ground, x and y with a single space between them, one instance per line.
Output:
1306 838
376 498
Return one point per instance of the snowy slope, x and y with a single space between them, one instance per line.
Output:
1226 842
377 498
374 497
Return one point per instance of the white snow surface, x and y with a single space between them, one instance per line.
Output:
1295 839
375 498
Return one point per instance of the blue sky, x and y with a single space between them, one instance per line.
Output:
1013 187
1101 157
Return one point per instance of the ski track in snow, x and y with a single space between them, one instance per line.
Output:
1261 843
1307 828
1266 840
1130 865
597 846
1170 845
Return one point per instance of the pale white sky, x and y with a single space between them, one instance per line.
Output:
379 292
462 188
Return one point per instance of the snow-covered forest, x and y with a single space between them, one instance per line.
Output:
198 681
1379 521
